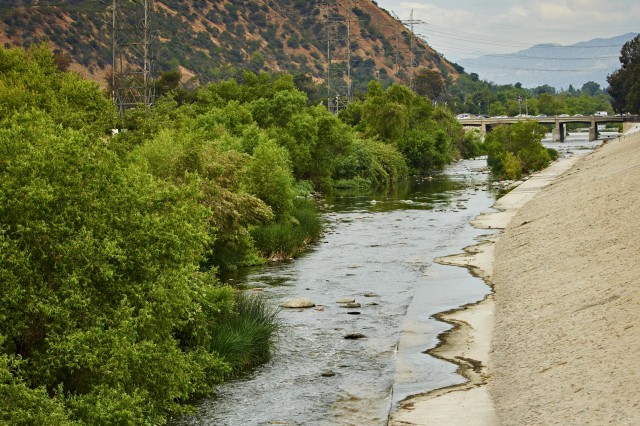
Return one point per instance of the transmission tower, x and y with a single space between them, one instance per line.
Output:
412 59
132 66
339 17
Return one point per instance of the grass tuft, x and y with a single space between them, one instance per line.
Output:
245 339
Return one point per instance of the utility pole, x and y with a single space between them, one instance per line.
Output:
132 66
338 20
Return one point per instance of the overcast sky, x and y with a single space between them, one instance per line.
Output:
467 28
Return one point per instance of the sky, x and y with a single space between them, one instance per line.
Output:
467 28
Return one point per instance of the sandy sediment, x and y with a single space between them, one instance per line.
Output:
540 269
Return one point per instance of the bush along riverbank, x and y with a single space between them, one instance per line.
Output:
111 309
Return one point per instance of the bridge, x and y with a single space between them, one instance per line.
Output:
559 122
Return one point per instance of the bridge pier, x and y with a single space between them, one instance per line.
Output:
558 132
485 128
593 131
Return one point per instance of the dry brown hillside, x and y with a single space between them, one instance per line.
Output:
210 40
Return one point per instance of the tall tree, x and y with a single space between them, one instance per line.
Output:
429 83
624 83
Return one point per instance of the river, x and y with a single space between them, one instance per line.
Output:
378 250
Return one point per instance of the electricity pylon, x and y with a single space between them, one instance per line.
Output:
132 66
339 17
412 61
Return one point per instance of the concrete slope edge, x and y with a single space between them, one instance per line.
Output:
467 343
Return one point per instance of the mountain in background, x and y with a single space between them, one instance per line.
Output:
553 64
211 40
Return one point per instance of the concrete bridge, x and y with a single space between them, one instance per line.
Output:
559 123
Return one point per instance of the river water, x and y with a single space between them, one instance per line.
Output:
379 250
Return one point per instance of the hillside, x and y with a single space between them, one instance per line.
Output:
210 40
553 64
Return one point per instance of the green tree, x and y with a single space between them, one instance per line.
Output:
386 114
269 177
429 83
31 80
168 81
624 83
425 150
550 105
496 109
591 88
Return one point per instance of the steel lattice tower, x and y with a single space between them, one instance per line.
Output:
412 49
132 66
339 17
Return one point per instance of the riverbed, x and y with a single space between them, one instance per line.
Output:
379 251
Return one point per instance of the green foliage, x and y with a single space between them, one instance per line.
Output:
245 337
624 83
99 269
300 138
105 315
288 236
516 149
30 80
268 176
425 135
429 83
425 150
386 114
471 146
167 81
510 167
388 166
173 154
24 405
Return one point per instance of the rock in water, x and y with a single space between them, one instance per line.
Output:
355 336
298 302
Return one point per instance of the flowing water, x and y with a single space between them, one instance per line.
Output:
378 250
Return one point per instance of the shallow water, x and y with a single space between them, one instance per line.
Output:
379 250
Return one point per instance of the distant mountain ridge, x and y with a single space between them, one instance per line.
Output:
210 40
553 64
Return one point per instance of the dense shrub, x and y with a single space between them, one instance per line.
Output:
516 149
288 236
99 269
107 315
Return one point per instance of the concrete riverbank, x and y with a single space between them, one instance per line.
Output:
560 347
